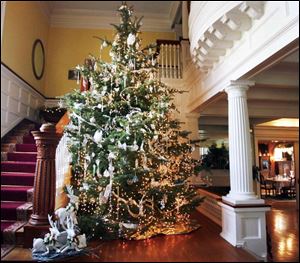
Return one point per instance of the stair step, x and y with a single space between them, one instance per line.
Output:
5 225
9 210
17 166
26 148
15 193
11 231
21 156
28 139
15 178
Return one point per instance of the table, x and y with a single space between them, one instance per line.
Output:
279 182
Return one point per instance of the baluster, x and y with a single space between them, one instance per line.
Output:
178 62
170 60
166 61
174 62
162 56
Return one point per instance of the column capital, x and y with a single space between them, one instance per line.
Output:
238 88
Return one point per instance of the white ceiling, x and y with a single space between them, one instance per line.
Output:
160 7
159 16
275 95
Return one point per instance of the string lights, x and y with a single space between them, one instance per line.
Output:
131 161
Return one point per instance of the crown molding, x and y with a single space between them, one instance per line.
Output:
75 18
173 13
45 8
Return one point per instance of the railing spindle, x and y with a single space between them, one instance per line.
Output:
178 62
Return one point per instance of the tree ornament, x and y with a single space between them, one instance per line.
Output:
98 136
129 155
104 44
130 39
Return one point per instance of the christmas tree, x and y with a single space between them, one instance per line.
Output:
130 159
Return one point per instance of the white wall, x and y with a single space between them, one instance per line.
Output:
275 29
18 101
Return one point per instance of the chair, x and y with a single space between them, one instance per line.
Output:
268 187
290 190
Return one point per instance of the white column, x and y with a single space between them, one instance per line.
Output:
185 20
241 181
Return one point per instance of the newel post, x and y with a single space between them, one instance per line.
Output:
44 184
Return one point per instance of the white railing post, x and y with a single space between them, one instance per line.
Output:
174 62
178 62
167 61
162 54
170 60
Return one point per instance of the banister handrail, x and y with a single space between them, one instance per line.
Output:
60 126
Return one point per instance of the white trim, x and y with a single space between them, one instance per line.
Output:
173 12
258 44
74 18
18 101
52 103
3 6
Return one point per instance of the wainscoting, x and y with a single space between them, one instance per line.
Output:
18 101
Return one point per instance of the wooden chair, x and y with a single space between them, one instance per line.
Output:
290 190
268 187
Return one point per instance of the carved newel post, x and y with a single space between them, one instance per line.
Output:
44 184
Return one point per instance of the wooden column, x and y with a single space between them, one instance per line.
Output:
44 184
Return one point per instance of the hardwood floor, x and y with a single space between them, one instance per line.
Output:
283 226
203 245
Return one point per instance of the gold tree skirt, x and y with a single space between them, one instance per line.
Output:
176 229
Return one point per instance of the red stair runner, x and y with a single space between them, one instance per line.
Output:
17 179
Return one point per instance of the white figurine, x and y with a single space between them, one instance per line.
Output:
38 245
54 232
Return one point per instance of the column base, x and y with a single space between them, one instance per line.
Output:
38 220
245 226
243 199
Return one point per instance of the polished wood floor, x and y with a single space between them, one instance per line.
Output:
203 245
283 226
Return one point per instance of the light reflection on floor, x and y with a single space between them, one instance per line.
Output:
283 225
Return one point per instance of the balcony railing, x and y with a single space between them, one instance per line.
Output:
170 59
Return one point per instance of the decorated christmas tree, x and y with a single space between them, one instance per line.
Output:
130 159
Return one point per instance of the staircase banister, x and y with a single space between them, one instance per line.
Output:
62 123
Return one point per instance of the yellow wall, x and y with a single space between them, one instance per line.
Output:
24 23
68 47
65 48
